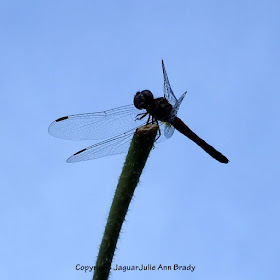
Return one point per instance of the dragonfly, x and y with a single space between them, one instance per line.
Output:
117 126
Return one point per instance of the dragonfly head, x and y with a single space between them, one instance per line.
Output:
144 99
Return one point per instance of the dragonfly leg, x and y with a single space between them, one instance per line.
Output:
141 116
148 121
159 132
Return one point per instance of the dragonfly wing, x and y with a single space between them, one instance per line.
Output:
97 125
168 92
168 130
165 131
177 105
116 145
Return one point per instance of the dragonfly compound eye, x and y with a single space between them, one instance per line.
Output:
143 99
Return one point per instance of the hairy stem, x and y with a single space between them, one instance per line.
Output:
137 156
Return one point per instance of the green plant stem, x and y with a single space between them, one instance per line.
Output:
137 156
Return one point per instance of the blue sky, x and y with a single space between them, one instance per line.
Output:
68 57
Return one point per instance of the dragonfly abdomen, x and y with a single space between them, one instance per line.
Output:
184 129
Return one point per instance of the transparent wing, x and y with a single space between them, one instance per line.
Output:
168 130
168 92
165 131
177 106
112 146
97 125
116 145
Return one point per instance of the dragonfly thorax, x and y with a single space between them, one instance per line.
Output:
162 110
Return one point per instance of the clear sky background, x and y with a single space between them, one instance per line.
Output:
67 57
